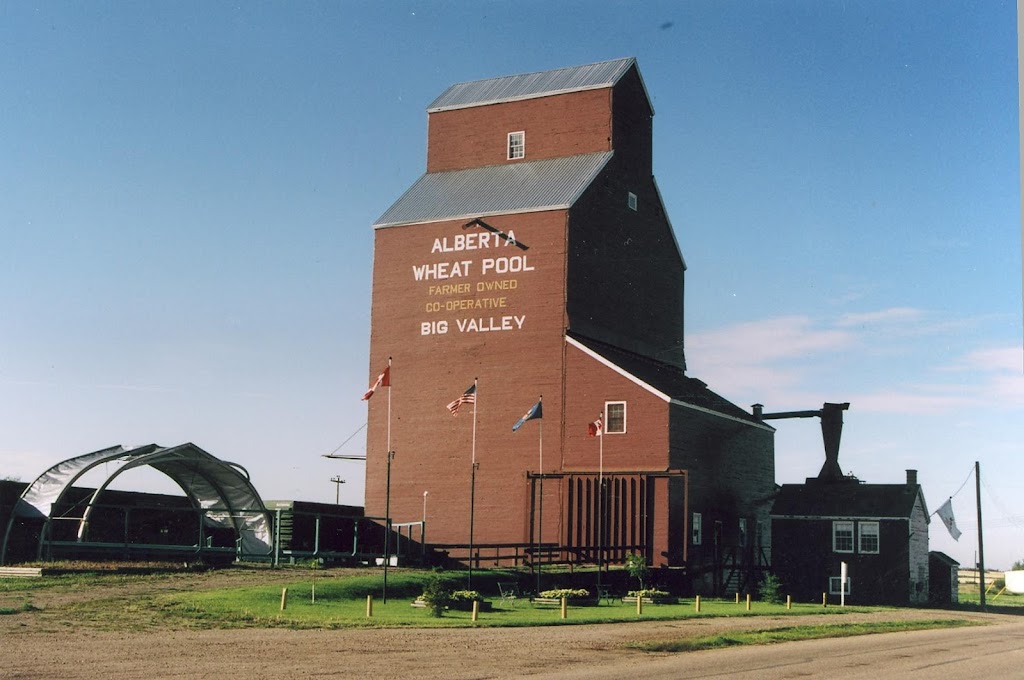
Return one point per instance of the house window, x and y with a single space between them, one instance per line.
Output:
631 200
615 417
743 532
516 145
833 585
842 537
696 527
868 534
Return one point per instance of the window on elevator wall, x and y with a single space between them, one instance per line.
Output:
696 529
615 417
516 145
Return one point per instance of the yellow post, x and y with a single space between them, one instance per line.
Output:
284 598
824 599
698 604
476 609
565 607
748 602
737 597
789 601
639 605
369 606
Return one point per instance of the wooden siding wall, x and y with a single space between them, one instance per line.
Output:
732 476
803 559
561 125
515 366
632 129
644 445
625 272
918 566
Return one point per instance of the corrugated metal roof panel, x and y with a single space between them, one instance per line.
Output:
530 85
495 190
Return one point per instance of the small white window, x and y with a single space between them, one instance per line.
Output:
516 145
696 528
868 534
615 417
833 585
743 532
842 537
631 200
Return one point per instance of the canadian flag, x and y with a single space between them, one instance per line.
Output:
383 380
596 428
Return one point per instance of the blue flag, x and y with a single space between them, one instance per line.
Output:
535 412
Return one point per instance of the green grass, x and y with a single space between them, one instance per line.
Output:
342 604
183 600
769 636
1005 603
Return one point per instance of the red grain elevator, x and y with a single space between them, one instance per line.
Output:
534 259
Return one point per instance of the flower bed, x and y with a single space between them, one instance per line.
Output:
461 600
576 596
650 596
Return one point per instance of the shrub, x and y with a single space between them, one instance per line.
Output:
770 589
438 595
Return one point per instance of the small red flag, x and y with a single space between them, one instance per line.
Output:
383 380
596 428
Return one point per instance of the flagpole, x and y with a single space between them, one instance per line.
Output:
540 512
387 500
600 503
981 542
472 483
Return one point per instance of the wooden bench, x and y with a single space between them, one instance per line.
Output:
20 572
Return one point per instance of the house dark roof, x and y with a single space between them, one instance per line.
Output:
532 85
553 184
668 379
943 557
845 499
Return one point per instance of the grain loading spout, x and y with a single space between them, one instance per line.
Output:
831 432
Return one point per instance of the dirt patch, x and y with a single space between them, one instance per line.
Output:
50 643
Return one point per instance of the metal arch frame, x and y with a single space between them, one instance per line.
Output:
151 455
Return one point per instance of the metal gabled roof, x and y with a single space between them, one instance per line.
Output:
531 85
553 184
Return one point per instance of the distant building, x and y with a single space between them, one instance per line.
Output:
535 257
879 530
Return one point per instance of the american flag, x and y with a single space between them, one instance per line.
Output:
467 397
596 428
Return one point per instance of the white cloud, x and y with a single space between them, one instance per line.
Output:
995 359
905 351
884 316
755 342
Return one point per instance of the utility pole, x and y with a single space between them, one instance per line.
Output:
338 481
981 541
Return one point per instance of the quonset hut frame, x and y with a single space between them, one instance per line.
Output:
219 493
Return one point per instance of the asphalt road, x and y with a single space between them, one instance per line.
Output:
992 651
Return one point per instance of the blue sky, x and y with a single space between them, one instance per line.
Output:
188 190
